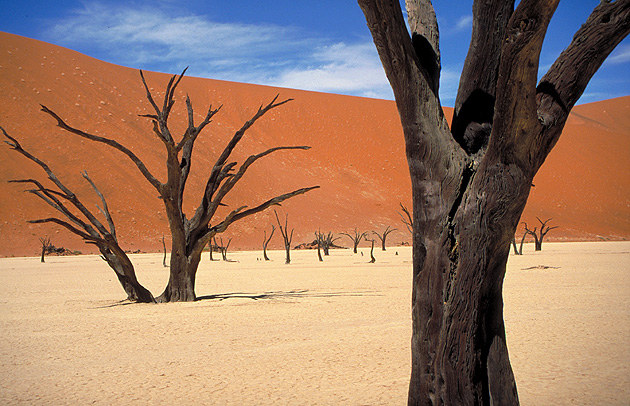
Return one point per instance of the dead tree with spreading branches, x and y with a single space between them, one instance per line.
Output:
356 238
383 236
538 237
46 246
189 236
82 222
287 236
471 179
326 241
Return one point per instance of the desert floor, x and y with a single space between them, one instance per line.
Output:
329 333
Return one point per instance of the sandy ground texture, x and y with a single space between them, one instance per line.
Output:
328 333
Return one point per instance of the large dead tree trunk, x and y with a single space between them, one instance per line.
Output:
470 182
190 236
89 227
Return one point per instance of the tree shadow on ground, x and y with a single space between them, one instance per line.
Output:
284 294
261 296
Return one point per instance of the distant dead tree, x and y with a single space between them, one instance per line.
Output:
406 218
46 246
356 238
326 241
212 244
319 246
266 241
287 236
189 236
538 238
518 251
224 248
372 259
383 236
164 264
86 225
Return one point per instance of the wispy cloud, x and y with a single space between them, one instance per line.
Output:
146 35
346 68
463 23
153 39
620 55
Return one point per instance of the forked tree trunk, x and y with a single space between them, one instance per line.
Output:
470 181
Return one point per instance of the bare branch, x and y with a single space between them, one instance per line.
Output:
68 226
515 107
67 193
149 95
114 144
408 221
474 106
208 207
425 38
104 209
50 197
271 202
561 87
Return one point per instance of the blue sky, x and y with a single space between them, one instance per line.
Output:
319 45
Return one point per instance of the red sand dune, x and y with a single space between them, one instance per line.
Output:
357 155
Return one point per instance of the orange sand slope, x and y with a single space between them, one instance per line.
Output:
308 339
357 155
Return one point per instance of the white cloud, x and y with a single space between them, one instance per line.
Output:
449 84
152 39
351 69
463 23
620 55
139 36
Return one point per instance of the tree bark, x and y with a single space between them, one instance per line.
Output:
470 182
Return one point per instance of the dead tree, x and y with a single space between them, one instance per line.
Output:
189 236
405 216
287 236
224 248
470 180
326 241
356 238
46 246
538 238
383 236
266 241
518 251
372 259
319 246
164 264
86 225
